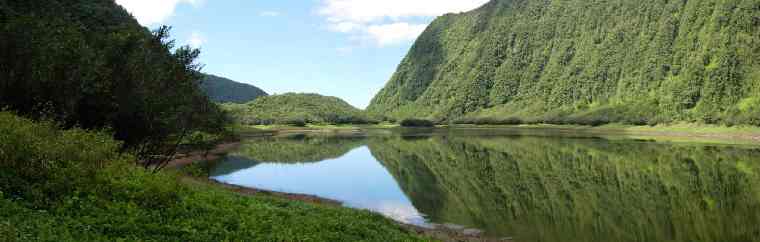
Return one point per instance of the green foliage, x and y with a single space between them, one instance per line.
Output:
74 186
223 90
416 123
490 121
590 62
42 164
297 109
89 64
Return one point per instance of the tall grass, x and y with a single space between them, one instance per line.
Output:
75 185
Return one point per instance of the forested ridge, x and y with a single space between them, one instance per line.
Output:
89 64
223 90
297 108
639 62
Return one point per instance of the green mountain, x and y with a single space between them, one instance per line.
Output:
297 108
585 60
90 64
224 90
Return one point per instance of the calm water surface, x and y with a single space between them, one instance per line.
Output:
532 187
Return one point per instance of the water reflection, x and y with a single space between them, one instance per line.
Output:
354 178
531 188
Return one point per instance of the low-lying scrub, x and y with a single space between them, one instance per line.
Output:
490 121
74 185
417 123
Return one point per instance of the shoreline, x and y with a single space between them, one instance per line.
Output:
676 133
720 135
671 132
439 232
679 132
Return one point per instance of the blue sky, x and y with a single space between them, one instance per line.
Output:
343 48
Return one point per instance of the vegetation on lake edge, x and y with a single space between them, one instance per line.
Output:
74 185
297 109
416 123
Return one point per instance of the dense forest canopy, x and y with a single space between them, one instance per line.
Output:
89 64
223 90
297 108
638 62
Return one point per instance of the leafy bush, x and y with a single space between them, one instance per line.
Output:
417 123
74 186
42 163
490 121
296 122
90 64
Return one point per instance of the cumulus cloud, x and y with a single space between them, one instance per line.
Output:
372 10
149 12
344 27
196 40
389 21
387 34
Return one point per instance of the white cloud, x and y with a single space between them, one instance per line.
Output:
269 14
387 34
388 22
372 10
344 27
196 40
149 12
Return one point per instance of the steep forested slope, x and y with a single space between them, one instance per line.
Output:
224 90
297 108
89 64
644 61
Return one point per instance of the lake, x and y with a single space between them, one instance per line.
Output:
532 186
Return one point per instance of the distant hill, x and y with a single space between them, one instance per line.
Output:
297 108
640 62
224 90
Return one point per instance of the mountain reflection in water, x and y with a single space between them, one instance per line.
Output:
531 188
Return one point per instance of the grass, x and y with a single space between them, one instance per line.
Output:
73 185
703 133
687 132
280 127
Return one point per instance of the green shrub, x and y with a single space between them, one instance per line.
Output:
295 122
417 123
490 121
42 163
75 186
